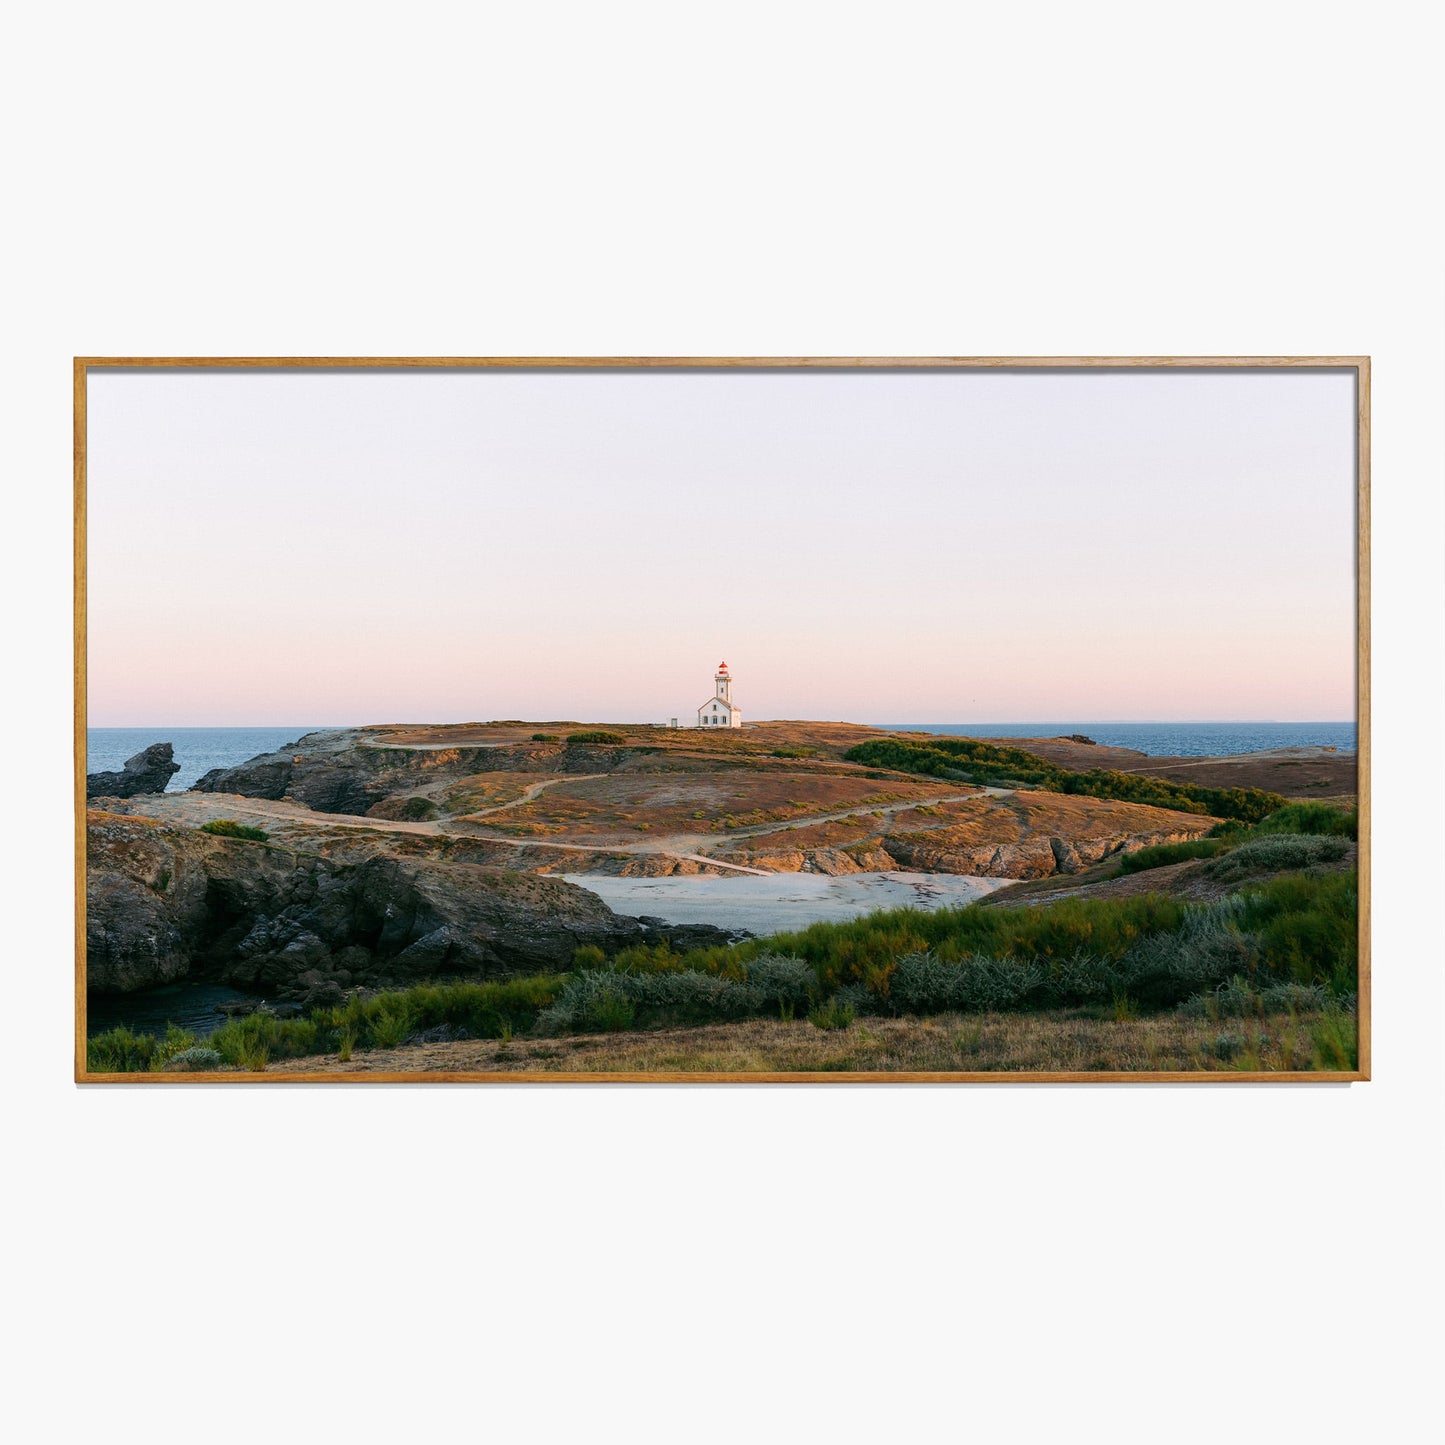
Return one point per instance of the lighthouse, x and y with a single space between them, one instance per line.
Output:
719 711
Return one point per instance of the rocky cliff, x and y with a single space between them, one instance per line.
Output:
345 771
147 772
165 903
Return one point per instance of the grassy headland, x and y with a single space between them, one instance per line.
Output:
1261 975
966 760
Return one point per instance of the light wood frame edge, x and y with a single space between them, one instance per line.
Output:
1360 364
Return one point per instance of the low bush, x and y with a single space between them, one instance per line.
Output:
1318 819
866 950
545 738
1307 927
1163 854
385 1020
1158 971
194 1061
835 1014
925 984
230 828
1237 997
975 762
594 1000
594 736
1336 1039
119 1051
1279 853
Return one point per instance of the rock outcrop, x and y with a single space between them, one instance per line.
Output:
147 772
341 772
165 903
1040 856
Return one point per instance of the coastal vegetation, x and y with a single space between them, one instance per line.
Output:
1161 855
964 760
601 737
381 1020
229 828
1280 943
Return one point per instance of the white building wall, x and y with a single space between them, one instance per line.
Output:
706 711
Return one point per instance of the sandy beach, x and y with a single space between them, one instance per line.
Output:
781 901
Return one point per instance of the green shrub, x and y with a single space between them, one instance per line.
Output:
1225 1046
597 736
835 1014
391 1024
1279 853
642 958
1307 926
119 1051
865 950
416 810
386 1020
545 738
975 762
596 1000
1163 854
1237 997
194 1061
1319 819
458 1010
1336 1040
925 984
1157 971
230 828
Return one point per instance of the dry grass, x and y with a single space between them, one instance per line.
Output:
985 820
1292 773
1065 1040
669 803
486 790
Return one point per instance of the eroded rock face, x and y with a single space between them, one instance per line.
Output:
165 903
147 772
1026 858
336 772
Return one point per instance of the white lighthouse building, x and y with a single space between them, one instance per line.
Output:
719 711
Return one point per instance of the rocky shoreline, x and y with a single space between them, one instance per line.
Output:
168 903
384 857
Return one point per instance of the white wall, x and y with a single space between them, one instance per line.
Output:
1020 1263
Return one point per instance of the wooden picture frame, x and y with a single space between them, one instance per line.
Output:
84 367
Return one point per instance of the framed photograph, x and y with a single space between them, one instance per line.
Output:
745 719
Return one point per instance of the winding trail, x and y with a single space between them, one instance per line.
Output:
196 808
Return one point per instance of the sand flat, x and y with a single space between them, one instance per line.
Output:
781 901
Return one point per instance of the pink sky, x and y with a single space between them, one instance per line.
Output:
350 547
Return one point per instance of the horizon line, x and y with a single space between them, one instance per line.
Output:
636 722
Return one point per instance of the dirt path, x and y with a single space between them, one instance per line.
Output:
529 793
193 809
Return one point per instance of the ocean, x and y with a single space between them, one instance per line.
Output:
1167 740
198 750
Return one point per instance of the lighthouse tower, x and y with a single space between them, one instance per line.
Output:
719 710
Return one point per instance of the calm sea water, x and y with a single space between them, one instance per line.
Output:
186 1004
197 750
1169 740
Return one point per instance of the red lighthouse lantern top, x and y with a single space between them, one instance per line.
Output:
722 667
